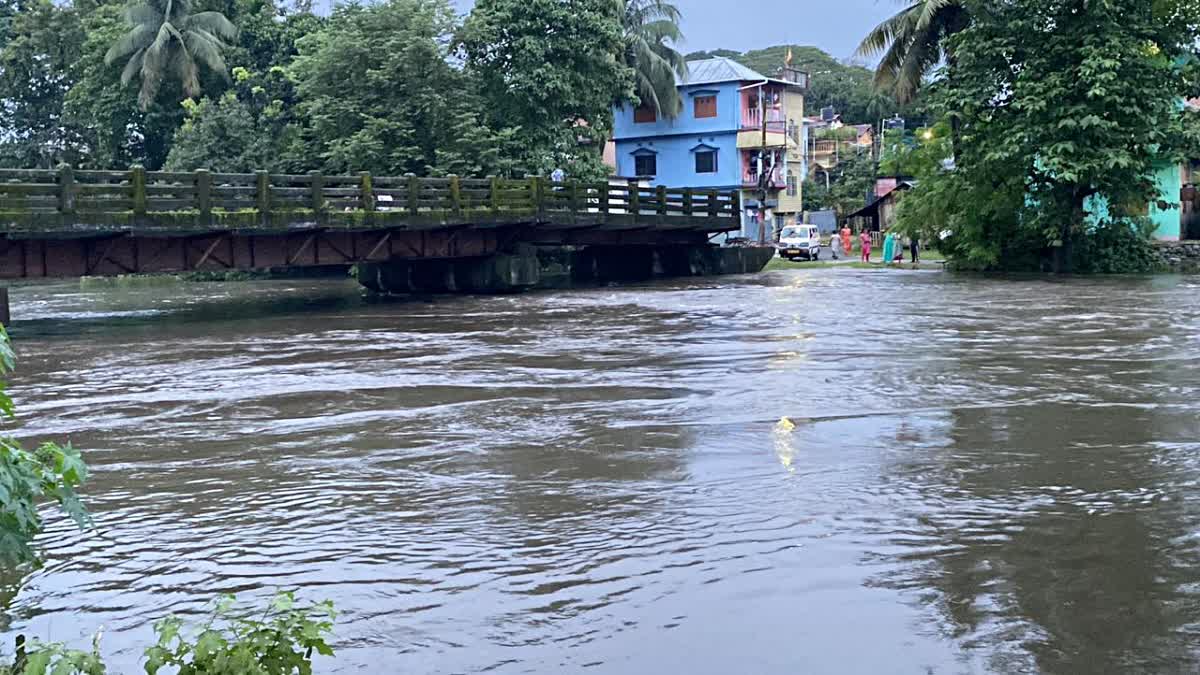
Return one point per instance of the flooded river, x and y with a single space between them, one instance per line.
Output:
986 475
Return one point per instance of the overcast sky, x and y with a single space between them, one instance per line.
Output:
836 26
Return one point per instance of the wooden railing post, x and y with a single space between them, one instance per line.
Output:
576 200
366 191
634 198
662 200
66 189
263 196
456 205
494 194
687 201
137 182
204 196
414 193
318 191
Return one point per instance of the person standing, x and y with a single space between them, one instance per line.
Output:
846 239
913 247
864 240
835 245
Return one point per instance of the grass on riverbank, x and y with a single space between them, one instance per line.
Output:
778 264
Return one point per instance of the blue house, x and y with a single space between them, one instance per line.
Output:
718 140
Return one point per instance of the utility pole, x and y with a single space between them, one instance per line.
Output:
762 171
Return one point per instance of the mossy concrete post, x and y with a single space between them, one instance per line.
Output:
204 196
494 194
737 205
366 191
604 190
634 207
414 193
455 191
535 193
317 188
66 189
5 316
687 201
714 203
137 181
576 202
263 183
662 200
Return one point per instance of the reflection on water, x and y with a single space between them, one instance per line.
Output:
984 475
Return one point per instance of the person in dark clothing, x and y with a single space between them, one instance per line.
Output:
913 247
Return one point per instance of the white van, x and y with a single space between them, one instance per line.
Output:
800 241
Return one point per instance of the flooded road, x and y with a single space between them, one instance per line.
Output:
986 475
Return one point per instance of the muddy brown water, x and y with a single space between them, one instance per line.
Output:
986 476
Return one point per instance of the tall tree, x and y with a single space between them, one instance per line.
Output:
651 30
913 42
1051 146
378 93
38 65
166 38
552 68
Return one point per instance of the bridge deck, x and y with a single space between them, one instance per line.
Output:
64 222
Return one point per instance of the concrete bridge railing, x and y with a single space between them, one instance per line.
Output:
66 200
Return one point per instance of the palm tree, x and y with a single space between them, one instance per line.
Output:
651 30
165 38
913 42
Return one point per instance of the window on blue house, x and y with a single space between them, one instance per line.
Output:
706 161
645 164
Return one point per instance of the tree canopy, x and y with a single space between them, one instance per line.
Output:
1067 111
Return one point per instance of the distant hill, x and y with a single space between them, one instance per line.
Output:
847 87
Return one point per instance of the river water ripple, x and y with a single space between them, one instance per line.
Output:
987 475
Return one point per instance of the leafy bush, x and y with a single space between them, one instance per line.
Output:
52 472
1117 247
55 659
280 642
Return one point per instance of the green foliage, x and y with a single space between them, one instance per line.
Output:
52 472
39 62
1117 247
280 642
106 116
551 69
924 152
406 110
912 42
1042 90
651 30
54 658
166 39
849 184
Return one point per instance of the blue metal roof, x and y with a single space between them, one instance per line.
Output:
720 69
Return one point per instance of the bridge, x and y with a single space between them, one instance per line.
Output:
68 223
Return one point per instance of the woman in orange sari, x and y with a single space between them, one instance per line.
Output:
846 240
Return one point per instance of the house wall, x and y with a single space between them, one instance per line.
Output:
728 115
795 161
677 164
1168 221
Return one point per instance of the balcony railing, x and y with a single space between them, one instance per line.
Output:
776 120
750 179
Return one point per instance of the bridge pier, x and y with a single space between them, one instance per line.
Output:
529 267
5 316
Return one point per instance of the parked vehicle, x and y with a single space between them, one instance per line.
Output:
800 241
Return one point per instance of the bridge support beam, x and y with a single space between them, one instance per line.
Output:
528 267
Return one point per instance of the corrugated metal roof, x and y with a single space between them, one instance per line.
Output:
711 71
